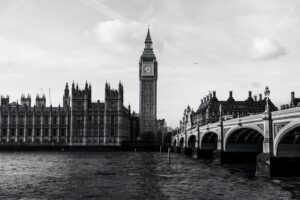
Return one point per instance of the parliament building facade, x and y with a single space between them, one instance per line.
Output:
79 121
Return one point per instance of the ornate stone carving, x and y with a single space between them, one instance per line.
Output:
278 127
225 130
261 126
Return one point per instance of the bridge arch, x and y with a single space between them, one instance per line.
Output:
287 141
181 142
209 140
192 141
244 139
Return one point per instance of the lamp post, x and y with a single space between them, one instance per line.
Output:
221 127
264 161
218 153
198 131
220 111
267 95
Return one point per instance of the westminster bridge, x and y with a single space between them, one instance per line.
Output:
272 139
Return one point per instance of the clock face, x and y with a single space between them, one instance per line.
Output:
147 70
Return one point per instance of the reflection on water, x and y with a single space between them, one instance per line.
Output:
131 175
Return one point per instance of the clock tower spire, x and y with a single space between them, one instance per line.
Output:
148 41
148 92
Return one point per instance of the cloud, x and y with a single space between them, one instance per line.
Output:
118 33
266 49
103 9
118 36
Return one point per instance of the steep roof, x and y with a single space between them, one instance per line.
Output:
230 104
148 37
296 101
148 50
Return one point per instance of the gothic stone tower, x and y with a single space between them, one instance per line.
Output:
148 92
80 106
113 124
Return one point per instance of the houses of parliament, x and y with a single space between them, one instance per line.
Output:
79 121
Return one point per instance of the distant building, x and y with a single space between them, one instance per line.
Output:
78 122
209 109
294 102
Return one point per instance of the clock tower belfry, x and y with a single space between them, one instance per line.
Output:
148 92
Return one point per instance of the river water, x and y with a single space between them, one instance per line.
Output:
132 175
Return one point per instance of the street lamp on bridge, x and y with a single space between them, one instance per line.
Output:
267 95
221 128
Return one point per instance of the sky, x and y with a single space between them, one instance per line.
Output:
200 45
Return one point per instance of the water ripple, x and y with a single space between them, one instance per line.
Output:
131 175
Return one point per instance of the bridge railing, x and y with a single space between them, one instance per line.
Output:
209 126
286 111
243 119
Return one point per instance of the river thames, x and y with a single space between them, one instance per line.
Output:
132 175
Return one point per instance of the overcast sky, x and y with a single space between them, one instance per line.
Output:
200 45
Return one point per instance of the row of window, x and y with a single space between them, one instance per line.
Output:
36 141
29 132
95 121
54 141
93 141
37 119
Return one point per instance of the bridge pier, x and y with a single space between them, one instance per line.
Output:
217 157
196 153
218 154
264 161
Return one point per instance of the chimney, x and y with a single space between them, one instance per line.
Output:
214 94
230 94
260 97
292 95
250 94
207 97
201 101
210 95
255 98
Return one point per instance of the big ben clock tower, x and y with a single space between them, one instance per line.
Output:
148 92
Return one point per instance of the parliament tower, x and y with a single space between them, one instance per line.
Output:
148 92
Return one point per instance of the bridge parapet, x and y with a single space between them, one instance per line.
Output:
286 113
209 126
247 119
